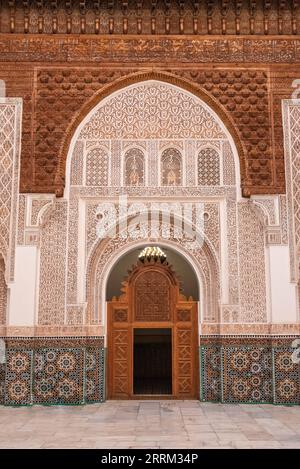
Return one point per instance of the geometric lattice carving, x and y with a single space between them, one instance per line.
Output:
184 345
97 167
9 168
152 297
134 168
212 224
72 267
230 314
233 267
291 122
152 163
77 164
283 219
53 267
74 315
121 342
295 167
104 166
7 126
3 293
171 164
21 219
208 167
190 174
115 163
228 165
252 266
120 315
127 111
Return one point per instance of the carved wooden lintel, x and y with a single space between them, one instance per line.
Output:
145 49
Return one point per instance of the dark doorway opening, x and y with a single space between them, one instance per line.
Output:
152 361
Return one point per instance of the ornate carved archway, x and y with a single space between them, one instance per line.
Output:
151 300
202 259
135 78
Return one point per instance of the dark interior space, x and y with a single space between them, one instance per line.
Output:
152 361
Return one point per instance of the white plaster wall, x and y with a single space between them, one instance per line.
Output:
23 290
283 292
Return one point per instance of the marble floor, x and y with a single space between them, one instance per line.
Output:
151 424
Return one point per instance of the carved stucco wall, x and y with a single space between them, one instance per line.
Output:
10 134
147 121
231 265
252 273
159 119
291 121
3 293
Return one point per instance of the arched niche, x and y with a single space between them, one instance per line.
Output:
151 110
112 125
107 252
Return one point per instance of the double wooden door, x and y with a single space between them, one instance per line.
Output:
151 299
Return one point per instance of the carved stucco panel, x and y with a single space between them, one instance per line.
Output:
291 127
107 249
151 109
252 274
10 137
246 273
53 261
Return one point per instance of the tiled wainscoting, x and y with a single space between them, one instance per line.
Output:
249 370
72 370
53 370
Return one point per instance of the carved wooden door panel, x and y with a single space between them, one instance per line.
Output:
152 297
185 354
120 351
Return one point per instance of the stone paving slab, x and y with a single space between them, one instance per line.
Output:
151 424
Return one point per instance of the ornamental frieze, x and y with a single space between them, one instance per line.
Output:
148 48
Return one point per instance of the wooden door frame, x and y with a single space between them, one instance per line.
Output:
153 325
179 328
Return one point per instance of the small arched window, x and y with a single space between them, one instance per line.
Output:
134 168
171 167
97 167
208 167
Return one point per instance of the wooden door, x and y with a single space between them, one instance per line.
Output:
185 354
152 299
119 352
